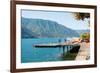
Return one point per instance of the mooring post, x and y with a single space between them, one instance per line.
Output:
67 48
70 47
63 50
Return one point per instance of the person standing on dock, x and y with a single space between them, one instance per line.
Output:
59 40
65 40
66 47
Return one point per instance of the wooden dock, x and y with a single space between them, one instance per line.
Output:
84 51
64 46
55 45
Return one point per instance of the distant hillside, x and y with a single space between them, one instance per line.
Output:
82 31
36 28
26 33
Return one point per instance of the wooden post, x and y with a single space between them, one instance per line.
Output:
67 48
63 50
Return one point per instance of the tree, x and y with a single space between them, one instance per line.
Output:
81 16
85 37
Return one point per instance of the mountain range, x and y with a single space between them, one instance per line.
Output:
83 31
39 28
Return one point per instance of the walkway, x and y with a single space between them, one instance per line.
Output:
84 51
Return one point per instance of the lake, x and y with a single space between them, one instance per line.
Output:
29 53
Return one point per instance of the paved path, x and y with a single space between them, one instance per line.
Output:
84 51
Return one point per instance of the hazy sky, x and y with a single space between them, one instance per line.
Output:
64 18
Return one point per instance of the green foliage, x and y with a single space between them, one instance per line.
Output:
85 36
81 16
69 56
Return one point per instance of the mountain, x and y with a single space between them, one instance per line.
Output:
83 31
26 33
36 28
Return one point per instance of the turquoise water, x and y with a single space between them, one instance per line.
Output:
29 53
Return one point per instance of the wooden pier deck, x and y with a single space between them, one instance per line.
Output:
64 46
84 51
55 44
